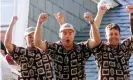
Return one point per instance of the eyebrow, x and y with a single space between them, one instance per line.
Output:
29 35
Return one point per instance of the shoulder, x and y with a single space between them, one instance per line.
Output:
127 40
18 49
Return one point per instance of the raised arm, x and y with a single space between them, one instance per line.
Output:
131 22
129 9
101 11
60 18
38 32
8 36
95 40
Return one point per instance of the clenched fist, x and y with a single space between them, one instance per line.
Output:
103 8
129 9
14 20
59 17
42 17
88 17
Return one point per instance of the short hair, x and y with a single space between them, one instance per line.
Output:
112 26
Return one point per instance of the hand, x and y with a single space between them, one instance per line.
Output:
129 9
103 8
88 17
42 17
59 17
14 19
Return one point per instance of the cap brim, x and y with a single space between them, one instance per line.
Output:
26 34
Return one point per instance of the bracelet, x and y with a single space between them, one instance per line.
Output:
91 22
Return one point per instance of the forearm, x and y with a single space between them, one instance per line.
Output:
98 19
95 33
61 23
38 35
131 22
95 40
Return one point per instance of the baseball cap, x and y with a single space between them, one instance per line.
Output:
66 26
29 30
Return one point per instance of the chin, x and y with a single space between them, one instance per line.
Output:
32 45
114 45
68 45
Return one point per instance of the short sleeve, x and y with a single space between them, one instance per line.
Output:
51 48
85 49
128 44
17 53
97 51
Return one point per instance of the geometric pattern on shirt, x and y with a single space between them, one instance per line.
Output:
35 65
69 65
113 64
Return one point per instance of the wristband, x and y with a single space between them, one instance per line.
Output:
91 22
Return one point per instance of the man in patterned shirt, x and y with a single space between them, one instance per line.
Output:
34 64
112 58
69 58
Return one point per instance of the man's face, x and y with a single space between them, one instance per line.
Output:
113 37
30 40
67 37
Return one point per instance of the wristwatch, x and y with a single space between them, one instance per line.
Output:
91 22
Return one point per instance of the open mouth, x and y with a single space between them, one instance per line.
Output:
32 43
67 41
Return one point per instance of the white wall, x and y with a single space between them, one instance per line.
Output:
6 11
20 8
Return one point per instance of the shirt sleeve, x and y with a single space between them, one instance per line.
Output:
97 51
85 49
51 48
128 43
17 53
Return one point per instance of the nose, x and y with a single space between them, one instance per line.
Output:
112 35
67 35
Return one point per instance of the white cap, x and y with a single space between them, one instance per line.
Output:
66 26
29 30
